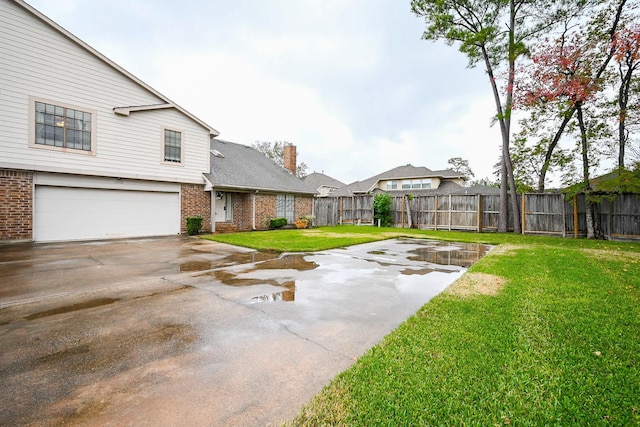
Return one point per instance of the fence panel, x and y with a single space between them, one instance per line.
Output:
547 213
543 214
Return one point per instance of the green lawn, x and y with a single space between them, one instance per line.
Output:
542 331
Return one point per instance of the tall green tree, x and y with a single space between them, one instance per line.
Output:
460 165
494 33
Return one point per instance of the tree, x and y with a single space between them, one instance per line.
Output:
275 151
563 72
603 20
493 32
458 164
626 45
382 209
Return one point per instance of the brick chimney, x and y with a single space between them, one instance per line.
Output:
290 158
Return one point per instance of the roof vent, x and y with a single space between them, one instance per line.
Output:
217 153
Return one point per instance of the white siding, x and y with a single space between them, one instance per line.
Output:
38 61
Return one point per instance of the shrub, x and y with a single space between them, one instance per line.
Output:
194 224
309 219
382 209
278 223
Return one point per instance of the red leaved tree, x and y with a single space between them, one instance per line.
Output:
626 45
563 72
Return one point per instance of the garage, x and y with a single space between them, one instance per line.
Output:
85 213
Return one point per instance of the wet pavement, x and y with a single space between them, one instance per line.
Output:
181 331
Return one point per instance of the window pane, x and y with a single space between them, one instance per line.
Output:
50 109
40 107
59 111
40 134
58 136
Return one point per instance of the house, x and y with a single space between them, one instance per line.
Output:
323 184
407 179
250 189
89 151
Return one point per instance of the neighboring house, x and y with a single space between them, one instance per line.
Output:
408 179
251 189
323 184
88 150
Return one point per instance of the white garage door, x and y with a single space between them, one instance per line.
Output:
64 213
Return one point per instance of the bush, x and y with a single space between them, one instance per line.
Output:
382 209
194 224
278 223
309 219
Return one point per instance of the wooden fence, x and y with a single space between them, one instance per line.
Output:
547 213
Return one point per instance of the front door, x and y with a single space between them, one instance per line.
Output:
224 207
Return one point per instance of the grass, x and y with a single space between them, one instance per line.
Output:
555 342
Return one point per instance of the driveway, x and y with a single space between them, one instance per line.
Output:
181 331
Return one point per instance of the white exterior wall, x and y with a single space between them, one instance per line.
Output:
38 61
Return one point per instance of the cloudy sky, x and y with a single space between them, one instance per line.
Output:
349 82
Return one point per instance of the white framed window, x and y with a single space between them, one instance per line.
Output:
392 185
172 146
63 127
406 183
426 183
285 207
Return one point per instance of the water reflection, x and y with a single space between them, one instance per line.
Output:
415 269
443 253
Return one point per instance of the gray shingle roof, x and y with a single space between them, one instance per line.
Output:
317 180
400 172
240 167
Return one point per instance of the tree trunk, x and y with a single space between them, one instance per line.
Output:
623 100
513 192
551 148
589 211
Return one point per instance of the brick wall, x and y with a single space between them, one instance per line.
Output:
16 205
265 210
303 206
195 202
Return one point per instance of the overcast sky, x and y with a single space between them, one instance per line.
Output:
349 82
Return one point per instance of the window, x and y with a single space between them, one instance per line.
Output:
426 183
285 207
406 184
63 127
172 146
392 185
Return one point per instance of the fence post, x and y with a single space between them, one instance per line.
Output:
435 213
402 211
564 217
575 216
524 216
450 213
479 213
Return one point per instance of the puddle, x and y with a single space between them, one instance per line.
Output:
235 259
73 307
459 254
414 270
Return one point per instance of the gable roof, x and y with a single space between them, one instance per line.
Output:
317 180
398 173
241 167
117 109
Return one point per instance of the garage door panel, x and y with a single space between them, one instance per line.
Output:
63 213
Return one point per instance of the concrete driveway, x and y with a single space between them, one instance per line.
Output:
181 331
